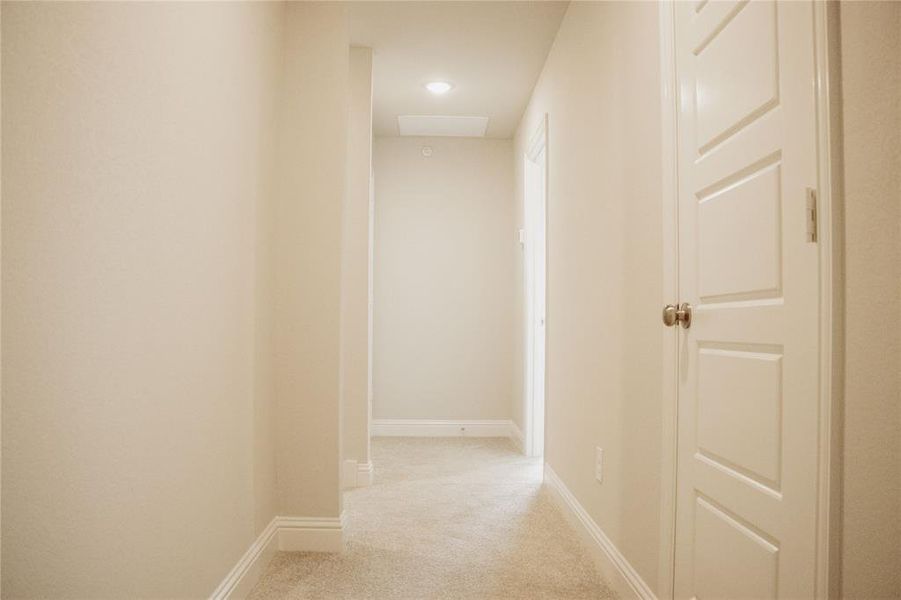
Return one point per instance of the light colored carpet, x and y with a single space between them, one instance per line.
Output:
460 518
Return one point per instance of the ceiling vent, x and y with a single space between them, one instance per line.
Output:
432 125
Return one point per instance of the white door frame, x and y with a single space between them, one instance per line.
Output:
370 295
536 153
829 239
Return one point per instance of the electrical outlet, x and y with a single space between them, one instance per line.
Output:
599 464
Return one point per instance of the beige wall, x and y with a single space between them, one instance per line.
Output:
171 259
138 457
871 85
307 253
355 263
603 383
600 88
444 256
1 353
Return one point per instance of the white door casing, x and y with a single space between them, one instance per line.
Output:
535 211
748 427
370 293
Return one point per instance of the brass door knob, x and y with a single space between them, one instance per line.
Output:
681 314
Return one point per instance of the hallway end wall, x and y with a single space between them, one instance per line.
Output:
444 259
600 88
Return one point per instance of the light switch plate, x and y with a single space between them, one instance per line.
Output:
599 464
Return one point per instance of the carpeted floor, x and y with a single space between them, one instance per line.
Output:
448 518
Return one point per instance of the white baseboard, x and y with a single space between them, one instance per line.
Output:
517 438
440 428
246 574
286 534
364 474
299 534
356 474
624 579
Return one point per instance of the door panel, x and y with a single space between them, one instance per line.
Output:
726 102
739 236
748 365
748 570
739 411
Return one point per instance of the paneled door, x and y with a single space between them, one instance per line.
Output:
746 491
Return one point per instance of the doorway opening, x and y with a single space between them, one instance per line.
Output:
535 246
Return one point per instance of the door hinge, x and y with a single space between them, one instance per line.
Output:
811 214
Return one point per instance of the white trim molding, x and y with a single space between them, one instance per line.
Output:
364 474
535 219
440 428
305 534
245 575
621 575
670 262
831 236
356 474
285 534
538 141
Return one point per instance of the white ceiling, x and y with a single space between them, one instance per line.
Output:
492 52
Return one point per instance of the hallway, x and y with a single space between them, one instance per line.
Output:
483 300
445 518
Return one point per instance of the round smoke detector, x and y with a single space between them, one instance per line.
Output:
427 151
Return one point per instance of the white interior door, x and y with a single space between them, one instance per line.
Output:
748 365
536 284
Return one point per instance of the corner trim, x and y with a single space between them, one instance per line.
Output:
355 474
617 570
440 428
285 534
364 474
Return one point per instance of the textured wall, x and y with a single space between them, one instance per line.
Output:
604 267
871 88
355 263
137 141
307 258
444 256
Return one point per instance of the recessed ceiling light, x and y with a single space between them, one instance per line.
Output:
438 87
